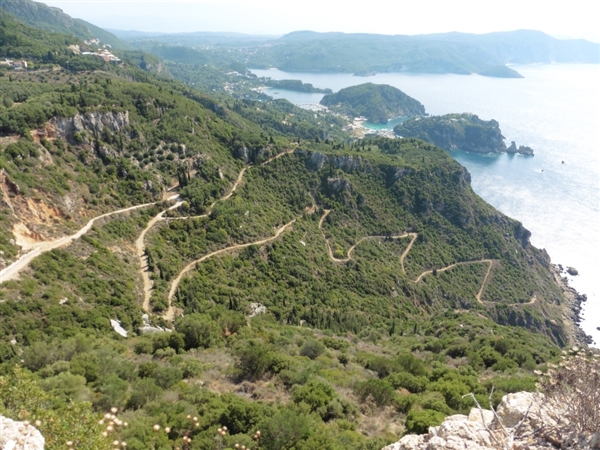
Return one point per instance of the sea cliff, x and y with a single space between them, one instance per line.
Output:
464 131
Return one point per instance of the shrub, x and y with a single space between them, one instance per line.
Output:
231 322
143 346
435 401
418 422
315 394
198 331
411 364
166 377
284 430
489 356
335 344
146 370
408 381
383 366
253 360
312 349
380 391
404 403
191 368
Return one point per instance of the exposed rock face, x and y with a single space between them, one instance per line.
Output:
338 185
256 309
19 435
522 415
456 131
92 121
13 188
347 163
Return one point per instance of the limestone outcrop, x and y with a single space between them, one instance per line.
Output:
93 122
522 421
16 435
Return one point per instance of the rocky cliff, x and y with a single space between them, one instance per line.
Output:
456 131
93 122
522 421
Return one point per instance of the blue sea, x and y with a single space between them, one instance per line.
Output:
555 110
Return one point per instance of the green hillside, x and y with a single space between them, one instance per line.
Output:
47 18
456 131
377 102
270 274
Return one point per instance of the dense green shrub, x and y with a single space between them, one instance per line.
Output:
253 360
379 391
285 429
312 349
408 381
418 422
199 331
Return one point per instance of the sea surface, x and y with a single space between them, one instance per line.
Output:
555 110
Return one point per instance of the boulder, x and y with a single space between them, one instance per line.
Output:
523 417
16 435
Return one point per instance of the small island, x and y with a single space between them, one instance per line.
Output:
297 85
459 131
500 71
378 103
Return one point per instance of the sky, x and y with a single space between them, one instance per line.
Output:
559 18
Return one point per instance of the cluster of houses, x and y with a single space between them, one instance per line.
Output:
103 53
17 65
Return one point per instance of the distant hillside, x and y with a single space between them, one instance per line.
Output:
459 53
500 72
377 102
456 131
48 18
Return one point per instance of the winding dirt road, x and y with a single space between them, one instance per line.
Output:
193 264
414 236
16 267
141 248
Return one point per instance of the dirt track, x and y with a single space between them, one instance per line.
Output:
412 241
16 267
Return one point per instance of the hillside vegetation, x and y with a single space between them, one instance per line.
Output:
456 131
460 53
270 274
47 18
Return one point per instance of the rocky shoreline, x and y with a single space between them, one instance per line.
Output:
571 308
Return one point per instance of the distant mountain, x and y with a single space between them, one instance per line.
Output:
458 53
197 38
377 102
500 71
52 19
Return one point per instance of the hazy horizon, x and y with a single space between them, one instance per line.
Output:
575 19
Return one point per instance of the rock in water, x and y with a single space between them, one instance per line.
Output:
572 271
19 435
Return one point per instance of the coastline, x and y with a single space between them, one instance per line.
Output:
571 309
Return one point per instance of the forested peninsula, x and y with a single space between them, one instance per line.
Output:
377 102
464 131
